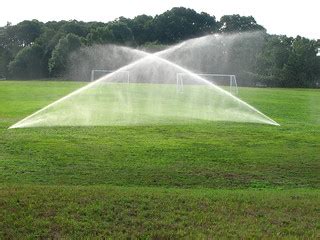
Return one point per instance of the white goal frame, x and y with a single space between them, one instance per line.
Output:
232 80
92 78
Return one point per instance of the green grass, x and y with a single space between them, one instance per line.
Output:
213 179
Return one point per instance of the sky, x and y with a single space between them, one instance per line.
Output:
289 17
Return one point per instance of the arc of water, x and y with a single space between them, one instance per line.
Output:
218 88
146 56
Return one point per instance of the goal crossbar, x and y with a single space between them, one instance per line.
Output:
231 78
92 78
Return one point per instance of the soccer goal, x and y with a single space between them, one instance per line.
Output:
99 73
226 81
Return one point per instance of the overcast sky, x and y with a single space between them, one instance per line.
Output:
290 17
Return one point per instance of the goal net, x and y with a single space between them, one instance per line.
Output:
227 82
99 73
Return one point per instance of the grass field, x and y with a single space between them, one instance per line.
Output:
207 180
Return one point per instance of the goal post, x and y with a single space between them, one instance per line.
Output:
179 85
98 73
223 80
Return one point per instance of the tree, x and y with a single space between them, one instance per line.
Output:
243 55
141 27
5 58
121 32
48 41
272 59
59 59
78 28
237 23
182 23
302 68
9 40
28 63
115 32
100 35
5 53
289 62
27 32
33 48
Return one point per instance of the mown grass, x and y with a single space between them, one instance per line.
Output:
97 211
236 180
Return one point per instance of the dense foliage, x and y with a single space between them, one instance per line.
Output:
32 49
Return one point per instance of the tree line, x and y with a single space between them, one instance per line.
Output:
35 50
